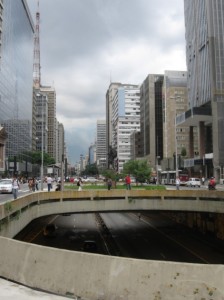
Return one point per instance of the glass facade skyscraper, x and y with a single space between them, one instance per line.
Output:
204 23
16 81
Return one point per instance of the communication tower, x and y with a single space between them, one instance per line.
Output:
36 56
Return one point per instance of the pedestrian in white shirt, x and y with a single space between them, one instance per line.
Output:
177 183
15 187
49 183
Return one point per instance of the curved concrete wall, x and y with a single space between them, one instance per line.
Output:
15 215
99 277
95 277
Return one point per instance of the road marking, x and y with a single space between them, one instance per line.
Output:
178 243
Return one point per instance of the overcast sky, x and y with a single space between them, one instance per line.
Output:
85 44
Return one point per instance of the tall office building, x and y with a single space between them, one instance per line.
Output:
109 101
51 95
16 76
92 154
125 120
101 144
151 118
41 121
175 102
205 63
61 153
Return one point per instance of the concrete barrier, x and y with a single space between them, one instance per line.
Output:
100 277
15 215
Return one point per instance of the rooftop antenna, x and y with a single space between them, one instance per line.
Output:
36 56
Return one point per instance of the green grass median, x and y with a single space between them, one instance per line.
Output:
70 186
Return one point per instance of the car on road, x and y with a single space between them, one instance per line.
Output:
6 186
90 180
90 246
193 182
50 230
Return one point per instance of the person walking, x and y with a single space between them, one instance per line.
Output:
15 187
128 182
109 184
203 180
36 184
79 184
49 183
177 183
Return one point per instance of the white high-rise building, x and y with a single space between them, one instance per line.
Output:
125 120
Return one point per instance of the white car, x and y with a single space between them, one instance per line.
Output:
91 179
6 186
193 182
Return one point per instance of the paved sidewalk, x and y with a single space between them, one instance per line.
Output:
13 291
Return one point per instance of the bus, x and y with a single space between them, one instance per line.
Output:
169 177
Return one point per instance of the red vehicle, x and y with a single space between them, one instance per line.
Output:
183 178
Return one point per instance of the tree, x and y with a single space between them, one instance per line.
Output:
110 173
36 158
137 168
91 170
112 154
183 152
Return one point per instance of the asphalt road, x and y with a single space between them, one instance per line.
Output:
154 237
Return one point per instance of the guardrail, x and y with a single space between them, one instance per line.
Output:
15 215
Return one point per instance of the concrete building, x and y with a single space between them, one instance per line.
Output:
175 102
101 144
109 128
41 121
151 119
51 95
3 137
17 30
135 145
92 154
60 142
205 64
125 120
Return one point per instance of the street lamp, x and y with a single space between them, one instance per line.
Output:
176 97
157 169
176 158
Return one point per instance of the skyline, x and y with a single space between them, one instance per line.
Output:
86 45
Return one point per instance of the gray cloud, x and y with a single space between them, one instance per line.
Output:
87 43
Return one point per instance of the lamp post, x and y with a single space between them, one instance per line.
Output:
42 153
176 97
176 157
157 169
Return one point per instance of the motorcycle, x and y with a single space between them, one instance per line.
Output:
211 187
58 187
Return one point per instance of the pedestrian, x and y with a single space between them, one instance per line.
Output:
139 216
31 184
203 180
36 184
109 184
211 183
177 183
49 183
128 182
79 184
15 187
